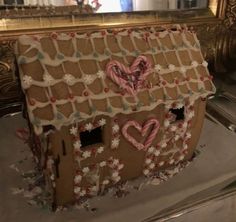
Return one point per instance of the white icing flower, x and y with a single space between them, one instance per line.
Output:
115 143
152 165
183 70
77 190
115 174
177 137
120 166
77 145
100 74
173 128
102 122
146 172
171 161
171 67
105 182
82 193
157 153
48 79
191 115
158 68
185 147
86 154
188 135
185 124
115 128
73 130
151 149
161 163
148 161
115 162
88 126
116 179
85 170
77 179
194 64
163 144
181 157
69 79
204 63
88 79
26 81
102 164
166 123
52 177
100 149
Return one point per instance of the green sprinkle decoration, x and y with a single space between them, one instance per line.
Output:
59 116
60 56
78 55
77 115
40 56
21 60
109 109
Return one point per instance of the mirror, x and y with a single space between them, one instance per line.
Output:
103 6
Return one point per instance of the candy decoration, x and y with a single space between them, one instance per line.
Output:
129 78
143 130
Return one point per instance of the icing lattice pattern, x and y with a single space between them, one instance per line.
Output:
71 82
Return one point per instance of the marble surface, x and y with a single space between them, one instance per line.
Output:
214 168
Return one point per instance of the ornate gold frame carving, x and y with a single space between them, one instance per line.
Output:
213 26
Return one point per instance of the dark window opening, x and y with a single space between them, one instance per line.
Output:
91 137
179 113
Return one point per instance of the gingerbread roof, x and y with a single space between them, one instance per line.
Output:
70 77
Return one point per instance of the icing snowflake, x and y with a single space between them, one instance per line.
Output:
100 149
102 122
94 189
115 143
151 149
179 106
77 190
102 164
116 179
86 154
77 145
157 153
100 74
185 147
115 128
105 182
181 157
152 165
120 166
188 135
148 161
171 67
77 179
82 193
173 128
163 144
115 162
26 81
171 161
88 79
176 137
204 63
194 64
73 130
158 68
85 170
48 79
146 172
191 115
115 174
88 126
161 163
69 79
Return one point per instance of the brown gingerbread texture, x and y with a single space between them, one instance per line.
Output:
107 106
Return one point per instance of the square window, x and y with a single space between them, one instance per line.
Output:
178 113
91 137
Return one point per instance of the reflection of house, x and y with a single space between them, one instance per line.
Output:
112 105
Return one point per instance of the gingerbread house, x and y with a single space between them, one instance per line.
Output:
110 105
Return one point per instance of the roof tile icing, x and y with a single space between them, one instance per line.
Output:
70 77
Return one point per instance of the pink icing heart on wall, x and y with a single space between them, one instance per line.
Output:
143 130
130 78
